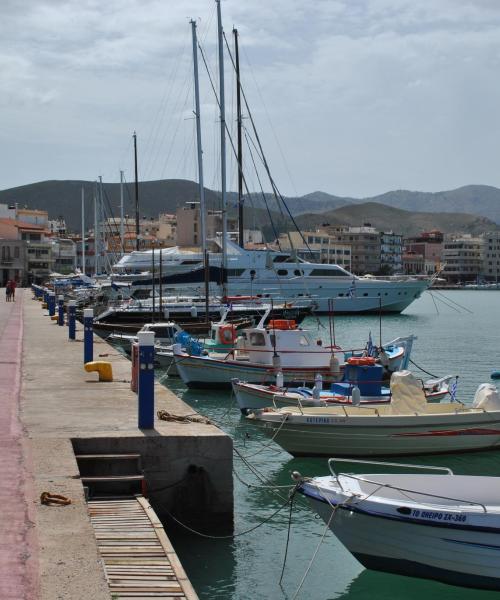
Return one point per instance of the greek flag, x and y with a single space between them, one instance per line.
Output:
352 290
453 390
369 345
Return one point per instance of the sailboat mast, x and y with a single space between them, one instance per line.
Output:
83 230
96 231
222 146
136 194
198 138
240 149
122 231
102 231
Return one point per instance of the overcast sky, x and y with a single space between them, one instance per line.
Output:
350 97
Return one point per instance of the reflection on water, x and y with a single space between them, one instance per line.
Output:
249 566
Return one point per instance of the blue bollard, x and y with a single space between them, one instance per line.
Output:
60 310
52 304
72 319
45 293
88 335
146 385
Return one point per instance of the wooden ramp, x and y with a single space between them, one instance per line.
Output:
138 558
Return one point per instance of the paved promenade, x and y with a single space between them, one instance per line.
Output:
49 407
18 544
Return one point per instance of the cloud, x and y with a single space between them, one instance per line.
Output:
351 96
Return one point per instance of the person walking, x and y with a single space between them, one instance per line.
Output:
13 286
8 291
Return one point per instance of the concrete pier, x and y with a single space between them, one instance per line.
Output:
63 410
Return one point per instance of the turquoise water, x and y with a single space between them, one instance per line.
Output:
249 566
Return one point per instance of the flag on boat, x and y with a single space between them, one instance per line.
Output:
369 346
453 390
352 290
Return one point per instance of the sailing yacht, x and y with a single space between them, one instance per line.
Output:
279 276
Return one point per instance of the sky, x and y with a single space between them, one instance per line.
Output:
350 97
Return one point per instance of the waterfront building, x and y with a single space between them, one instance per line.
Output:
463 258
63 255
491 256
391 252
413 263
430 245
189 229
317 246
365 245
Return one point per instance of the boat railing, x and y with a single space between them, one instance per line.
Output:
397 488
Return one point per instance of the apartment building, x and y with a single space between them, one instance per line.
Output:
391 252
463 258
317 246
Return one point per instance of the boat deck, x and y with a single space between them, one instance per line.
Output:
139 560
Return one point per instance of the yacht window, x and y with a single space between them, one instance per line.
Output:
190 262
282 272
281 258
257 338
327 273
365 294
298 272
303 341
252 273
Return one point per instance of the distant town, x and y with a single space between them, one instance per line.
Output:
34 246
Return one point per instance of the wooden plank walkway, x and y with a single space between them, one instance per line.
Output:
139 559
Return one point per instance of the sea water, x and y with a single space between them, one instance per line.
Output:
458 334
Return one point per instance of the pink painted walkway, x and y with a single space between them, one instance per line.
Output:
18 560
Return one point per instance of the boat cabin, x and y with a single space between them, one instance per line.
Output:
281 344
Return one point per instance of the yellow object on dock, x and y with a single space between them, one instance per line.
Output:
54 318
102 367
138 558
44 305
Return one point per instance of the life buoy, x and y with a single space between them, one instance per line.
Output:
227 335
361 361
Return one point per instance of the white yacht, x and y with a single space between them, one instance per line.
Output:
280 276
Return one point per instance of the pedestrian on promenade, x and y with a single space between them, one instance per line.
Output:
8 291
13 286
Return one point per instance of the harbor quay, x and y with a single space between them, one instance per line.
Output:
53 412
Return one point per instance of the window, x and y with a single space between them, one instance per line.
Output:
16 252
282 272
327 273
257 338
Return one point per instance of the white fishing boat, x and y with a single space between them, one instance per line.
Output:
280 347
407 425
444 527
253 396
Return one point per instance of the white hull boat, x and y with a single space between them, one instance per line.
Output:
408 425
276 275
444 527
254 396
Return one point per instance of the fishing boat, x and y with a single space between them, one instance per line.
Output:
438 526
406 425
253 396
164 331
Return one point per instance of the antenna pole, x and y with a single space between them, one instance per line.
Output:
240 149
136 194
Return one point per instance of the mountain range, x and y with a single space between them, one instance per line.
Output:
474 208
